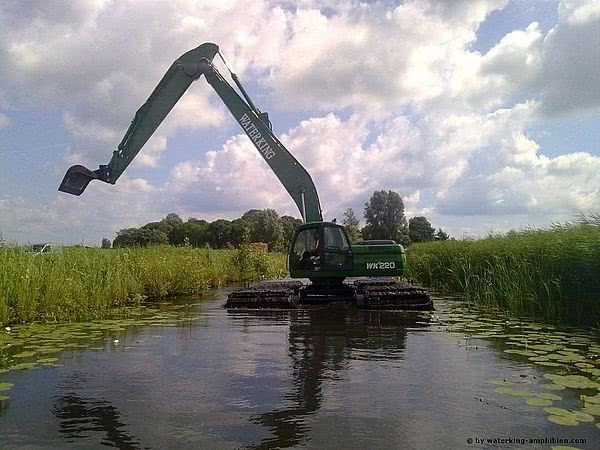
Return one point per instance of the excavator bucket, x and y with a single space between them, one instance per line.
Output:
76 180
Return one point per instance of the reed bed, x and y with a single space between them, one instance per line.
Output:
80 284
549 273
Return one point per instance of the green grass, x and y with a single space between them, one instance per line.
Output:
80 284
551 273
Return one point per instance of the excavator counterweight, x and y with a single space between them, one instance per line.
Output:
320 251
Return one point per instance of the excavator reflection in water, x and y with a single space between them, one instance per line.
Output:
322 344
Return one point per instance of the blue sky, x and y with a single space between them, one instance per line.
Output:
482 114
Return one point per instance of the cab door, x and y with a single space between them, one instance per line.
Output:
336 250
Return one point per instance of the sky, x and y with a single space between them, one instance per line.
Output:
482 114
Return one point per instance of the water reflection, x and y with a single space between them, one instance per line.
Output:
80 416
322 344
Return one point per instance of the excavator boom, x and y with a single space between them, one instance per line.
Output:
186 69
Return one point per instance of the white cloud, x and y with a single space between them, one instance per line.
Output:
4 120
424 114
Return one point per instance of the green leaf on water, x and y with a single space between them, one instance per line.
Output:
4 398
576 382
591 399
552 387
558 411
24 355
582 416
521 352
47 360
537 401
551 376
24 366
48 350
6 386
547 364
562 420
548 396
594 410
514 392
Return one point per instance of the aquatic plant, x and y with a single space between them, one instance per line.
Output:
83 283
551 273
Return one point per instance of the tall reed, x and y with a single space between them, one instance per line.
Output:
552 273
78 283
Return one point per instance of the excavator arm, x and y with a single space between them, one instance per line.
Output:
186 69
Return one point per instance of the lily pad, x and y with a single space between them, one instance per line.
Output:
591 399
563 420
582 416
24 355
594 410
558 411
576 382
547 364
546 347
521 352
48 350
552 387
6 386
514 392
548 396
24 366
538 401
47 360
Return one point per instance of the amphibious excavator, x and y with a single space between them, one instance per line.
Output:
365 274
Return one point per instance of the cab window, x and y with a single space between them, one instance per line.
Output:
335 239
305 254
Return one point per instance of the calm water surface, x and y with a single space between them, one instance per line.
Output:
189 374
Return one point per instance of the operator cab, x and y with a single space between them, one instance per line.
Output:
320 248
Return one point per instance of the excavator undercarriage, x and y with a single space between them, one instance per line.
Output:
366 293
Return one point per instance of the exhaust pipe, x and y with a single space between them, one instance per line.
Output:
78 177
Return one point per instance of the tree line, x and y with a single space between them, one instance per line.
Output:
384 217
254 226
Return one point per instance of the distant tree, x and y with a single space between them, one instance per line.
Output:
440 235
173 219
420 230
351 223
106 243
265 226
131 237
384 215
177 234
126 237
240 232
166 225
219 233
197 232
289 225
160 226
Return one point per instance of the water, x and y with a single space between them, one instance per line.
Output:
190 374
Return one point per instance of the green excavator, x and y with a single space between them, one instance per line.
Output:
320 251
